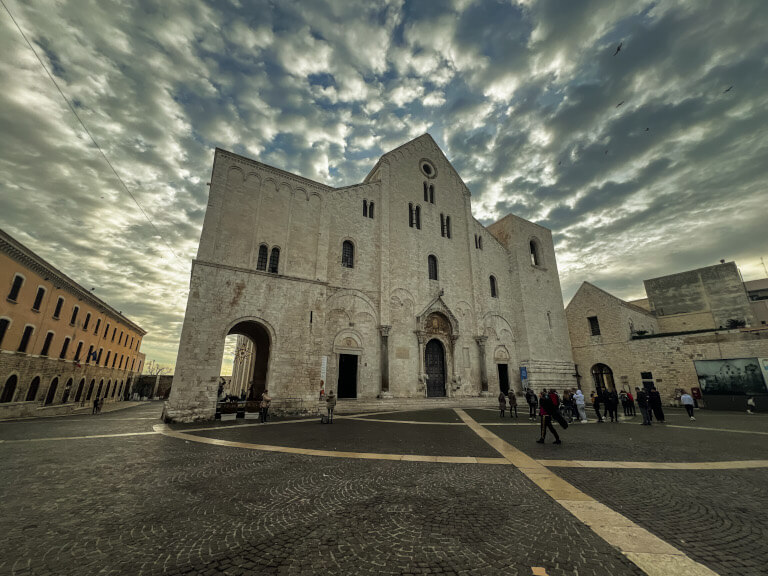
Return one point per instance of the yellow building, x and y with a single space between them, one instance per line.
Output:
60 346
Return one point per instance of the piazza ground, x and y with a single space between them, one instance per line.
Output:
421 492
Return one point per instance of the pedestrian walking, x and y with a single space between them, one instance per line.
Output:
751 405
687 401
613 405
631 403
533 403
266 400
568 405
545 413
574 407
330 404
95 407
654 400
596 400
512 403
624 402
579 399
502 404
642 403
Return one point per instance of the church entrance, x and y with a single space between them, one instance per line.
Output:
347 384
504 378
434 362
248 343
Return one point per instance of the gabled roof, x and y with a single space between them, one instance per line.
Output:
589 285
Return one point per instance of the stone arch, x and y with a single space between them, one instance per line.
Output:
348 341
354 295
501 354
261 335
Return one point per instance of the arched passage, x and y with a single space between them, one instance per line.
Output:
603 377
251 361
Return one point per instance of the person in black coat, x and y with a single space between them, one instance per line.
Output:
654 400
613 405
642 403
596 401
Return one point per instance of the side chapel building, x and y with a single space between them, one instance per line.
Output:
385 289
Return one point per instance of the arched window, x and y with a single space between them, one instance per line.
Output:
64 348
535 255
448 226
5 323
114 333
38 299
28 330
59 304
75 310
51 391
418 217
18 282
365 208
494 293
114 359
603 377
120 340
46 344
90 389
106 330
98 323
98 390
274 260
98 357
348 254
33 388
426 192
106 392
106 360
261 262
432 265
87 321
370 210
79 393
67 391
9 389
410 215
431 193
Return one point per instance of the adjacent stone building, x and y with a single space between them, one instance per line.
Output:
385 289
60 346
670 339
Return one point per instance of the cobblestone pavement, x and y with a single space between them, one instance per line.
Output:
151 504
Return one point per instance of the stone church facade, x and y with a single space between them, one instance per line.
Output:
385 289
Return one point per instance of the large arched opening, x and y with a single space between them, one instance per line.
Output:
602 376
248 346
434 362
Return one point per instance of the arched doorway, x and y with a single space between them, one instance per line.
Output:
67 391
79 393
51 391
90 389
33 387
250 363
434 362
9 389
603 377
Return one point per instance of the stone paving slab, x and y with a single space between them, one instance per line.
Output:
436 415
361 436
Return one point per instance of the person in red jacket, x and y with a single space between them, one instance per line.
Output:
547 404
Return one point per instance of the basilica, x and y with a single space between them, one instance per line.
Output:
380 290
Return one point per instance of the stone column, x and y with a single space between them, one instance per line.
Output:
384 331
155 387
481 340
422 337
454 373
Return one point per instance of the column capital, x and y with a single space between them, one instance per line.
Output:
421 335
384 330
481 340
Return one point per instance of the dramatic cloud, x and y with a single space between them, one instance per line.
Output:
640 162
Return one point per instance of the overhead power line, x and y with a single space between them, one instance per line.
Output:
85 128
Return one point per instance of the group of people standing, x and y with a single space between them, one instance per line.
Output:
512 404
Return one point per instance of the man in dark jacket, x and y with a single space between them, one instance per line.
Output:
642 403
596 403
654 400
613 405
547 407
530 396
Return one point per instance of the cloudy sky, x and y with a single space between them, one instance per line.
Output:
642 162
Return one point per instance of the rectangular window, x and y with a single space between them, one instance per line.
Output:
25 338
75 310
90 353
38 299
15 287
98 358
106 331
46 344
114 332
4 324
98 323
120 340
106 360
594 326
120 364
114 359
59 304
87 321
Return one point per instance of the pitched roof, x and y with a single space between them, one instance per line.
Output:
616 298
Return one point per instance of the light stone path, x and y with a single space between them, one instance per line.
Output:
652 554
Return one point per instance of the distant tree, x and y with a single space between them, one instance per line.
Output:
152 368
735 323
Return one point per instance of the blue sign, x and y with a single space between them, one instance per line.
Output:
523 373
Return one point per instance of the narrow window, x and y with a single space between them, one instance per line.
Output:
64 348
120 364
79 393
365 208
370 210
59 304
114 332
90 353
46 344
475 240
75 310
87 321
480 241
78 350
535 259
98 323
106 331
442 225
33 388
261 263
274 260
418 217
347 254
4 324
432 264
114 359
106 391
426 193
18 281
431 193
594 326
106 360
120 340
131 346
98 358
549 320
448 226
25 338
133 361
38 299
410 215
494 294
90 389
